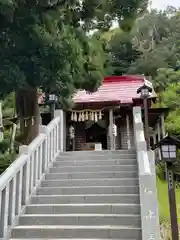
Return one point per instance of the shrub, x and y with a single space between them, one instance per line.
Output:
160 170
6 160
4 145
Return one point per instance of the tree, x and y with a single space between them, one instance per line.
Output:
171 98
152 48
156 36
165 77
123 53
149 46
44 44
168 87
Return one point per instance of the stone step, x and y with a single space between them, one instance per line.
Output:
86 198
91 175
91 182
103 152
83 208
96 157
94 163
87 190
94 168
68 239
64 231
81 219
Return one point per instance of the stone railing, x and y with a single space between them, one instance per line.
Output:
20 180
147 181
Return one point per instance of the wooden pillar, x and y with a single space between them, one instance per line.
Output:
128 131
111 129
155 141
159 131
1 124
154 137
159 137
163 135
163 126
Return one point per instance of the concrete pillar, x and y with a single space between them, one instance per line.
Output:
111 129
128 131
62 129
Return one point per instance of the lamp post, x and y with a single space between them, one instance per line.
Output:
52 100
145 91
168 147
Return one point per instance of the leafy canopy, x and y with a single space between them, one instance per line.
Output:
44 43
152 48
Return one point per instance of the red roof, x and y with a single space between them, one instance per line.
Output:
122 89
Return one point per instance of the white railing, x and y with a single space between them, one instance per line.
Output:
19 181
147 181
140 142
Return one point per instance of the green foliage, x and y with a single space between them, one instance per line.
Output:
168 85
160 170
165 77
152 48
6 160
45 44
156 36
4 145
172 122
122 52
162 190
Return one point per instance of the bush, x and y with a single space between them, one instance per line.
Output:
6 160
160 170
4 145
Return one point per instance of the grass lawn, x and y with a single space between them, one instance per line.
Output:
163 200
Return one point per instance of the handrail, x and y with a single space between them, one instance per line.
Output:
147 181
20 179
11 171
144 166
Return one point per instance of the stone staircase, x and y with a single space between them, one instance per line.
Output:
85 195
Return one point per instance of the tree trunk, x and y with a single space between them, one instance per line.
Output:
13 134
1 124
13 128
29 114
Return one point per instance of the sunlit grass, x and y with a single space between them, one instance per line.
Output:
162 189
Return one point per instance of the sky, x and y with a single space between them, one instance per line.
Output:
161 4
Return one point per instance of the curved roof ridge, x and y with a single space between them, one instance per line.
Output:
124 78
121 89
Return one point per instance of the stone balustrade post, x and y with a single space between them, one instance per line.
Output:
147 182
61 129
44 130
22 177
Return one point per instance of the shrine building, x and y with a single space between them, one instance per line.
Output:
104 118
